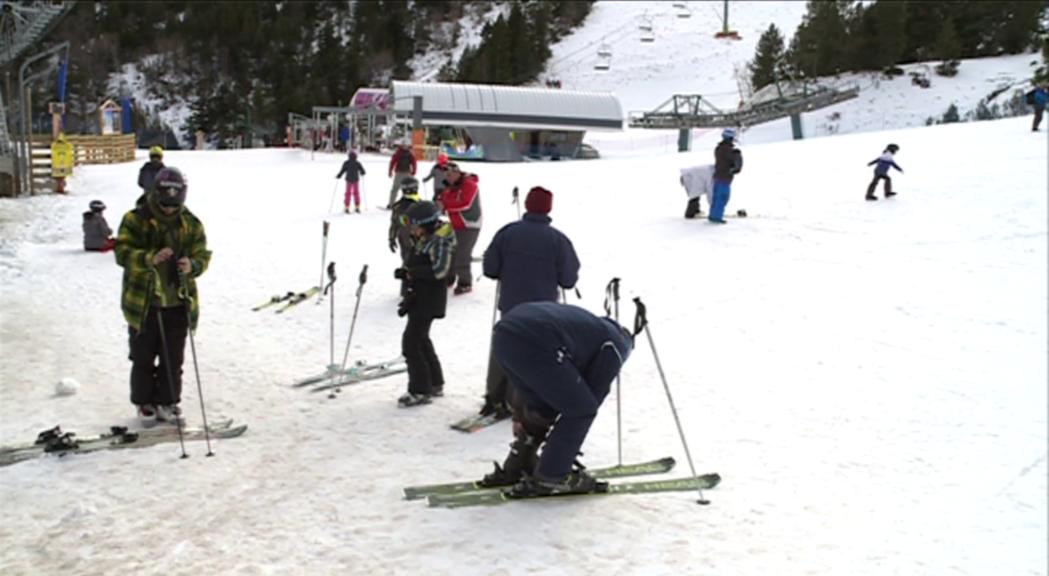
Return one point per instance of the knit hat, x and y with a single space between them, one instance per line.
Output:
539 200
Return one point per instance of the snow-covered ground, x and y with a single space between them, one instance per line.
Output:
868 378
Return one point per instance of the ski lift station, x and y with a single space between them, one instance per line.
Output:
501 123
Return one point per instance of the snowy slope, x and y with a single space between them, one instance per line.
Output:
868 378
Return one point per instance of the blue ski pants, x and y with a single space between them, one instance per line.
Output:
722 191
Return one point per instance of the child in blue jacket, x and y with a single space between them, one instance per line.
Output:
881 171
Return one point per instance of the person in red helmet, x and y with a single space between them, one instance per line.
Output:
437 175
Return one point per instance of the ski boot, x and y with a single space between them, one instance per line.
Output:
520 461
870 197
48 435
409 400
575 482
890 194
169 413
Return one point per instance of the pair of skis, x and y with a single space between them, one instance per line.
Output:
477 422
57 442
288 300
335 378
466 494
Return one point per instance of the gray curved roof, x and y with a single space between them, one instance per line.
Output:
509 106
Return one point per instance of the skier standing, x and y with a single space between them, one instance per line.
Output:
353 171
561 361
531 259
402 164
426 300
400 234
149 170
98 236
462 201
437 175
881 171
1038 98
728 161
159 241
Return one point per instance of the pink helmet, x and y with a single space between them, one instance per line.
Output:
442 159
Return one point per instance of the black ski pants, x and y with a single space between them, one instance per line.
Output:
874 184
1037 118
424 368
497 389
149 372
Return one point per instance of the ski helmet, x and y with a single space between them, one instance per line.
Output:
728 134
409 185
423 213
892 148
97 206
442 159
170 187
156 152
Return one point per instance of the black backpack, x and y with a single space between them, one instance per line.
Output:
1029 98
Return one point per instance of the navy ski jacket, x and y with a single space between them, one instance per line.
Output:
597 346
532 259
884 162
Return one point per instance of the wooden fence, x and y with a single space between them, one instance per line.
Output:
108 149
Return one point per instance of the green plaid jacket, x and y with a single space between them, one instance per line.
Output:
138 240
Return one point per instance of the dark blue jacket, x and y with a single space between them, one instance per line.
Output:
884 162
596 346
531 259
1041 97
352 169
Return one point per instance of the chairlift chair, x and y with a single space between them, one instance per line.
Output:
648 35
604 51
683 11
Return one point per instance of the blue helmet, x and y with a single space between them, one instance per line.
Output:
728 134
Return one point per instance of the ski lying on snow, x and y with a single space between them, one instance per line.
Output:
454 488
158 430
477 422
494 497
359 367
298 299
128 439
348 379
274 301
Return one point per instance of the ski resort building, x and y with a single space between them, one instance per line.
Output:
504 123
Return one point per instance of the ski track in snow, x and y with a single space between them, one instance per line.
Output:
868 378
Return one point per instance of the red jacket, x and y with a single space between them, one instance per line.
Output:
397 159
462 202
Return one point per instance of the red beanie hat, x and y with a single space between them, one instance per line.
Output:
539 200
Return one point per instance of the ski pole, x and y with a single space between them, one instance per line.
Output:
612 291
331 320
361 280
331 204
171 382
188 304
517 202
641 323
324 258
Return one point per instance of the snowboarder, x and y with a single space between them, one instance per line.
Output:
426 299
353 171
1038 98
697 182
159 243
437 175
98 236
561 361
149 170
400 234
531 259
728 161
402 164
461 200
881 171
